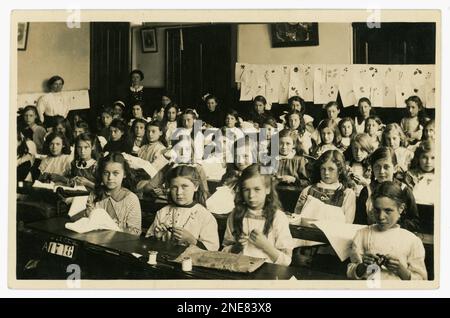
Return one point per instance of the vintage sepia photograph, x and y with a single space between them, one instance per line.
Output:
261 154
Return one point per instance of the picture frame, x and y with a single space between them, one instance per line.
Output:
295 34
148 40
22 35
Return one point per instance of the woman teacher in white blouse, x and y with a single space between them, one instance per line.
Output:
53 103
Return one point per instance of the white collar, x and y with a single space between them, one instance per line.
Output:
333 186
288 156
138 89
89 164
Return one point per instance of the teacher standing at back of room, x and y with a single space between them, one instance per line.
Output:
53 103
136 93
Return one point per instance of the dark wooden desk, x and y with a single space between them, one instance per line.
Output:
108 255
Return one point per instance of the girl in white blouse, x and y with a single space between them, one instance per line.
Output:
384 247
186 221
257 227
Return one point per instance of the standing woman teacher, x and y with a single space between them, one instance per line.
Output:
53 103
137 94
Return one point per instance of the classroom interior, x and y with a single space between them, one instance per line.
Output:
189 61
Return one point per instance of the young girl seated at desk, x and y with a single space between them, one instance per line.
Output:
399 253
330 198
394 137
245 154
106 119
211 114
170 121
421 175
186 220
332 109
374 130
257 227
258 114
57 163
297 103
329 137
84 165
413 123
364 111
137 132
119 140
114 193
154 146
62 125
428 130
31 121
26 152
137 112
360 172
295 122
383 163
348 131
80 127
291 168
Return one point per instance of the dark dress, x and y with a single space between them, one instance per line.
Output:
122 145
215 119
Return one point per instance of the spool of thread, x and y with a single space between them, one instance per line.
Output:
152 257
186 265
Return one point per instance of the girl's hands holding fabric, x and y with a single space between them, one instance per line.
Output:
161 232
369 259
45 177
258 239
394 265
243 240
184 236
81 180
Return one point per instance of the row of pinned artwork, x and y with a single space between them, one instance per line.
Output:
384 85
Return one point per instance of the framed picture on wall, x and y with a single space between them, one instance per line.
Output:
22 35
148 40
295 34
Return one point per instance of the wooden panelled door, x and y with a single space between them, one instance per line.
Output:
199 62
110 62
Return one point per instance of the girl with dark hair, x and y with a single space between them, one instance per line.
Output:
295 123
137 133
212 113
26 152
383 162
186 220
330 197
258 114
257 227
170 121
416 118
62 125
398 253
57 163
84 166
119 140
364 111
113 193
30 121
